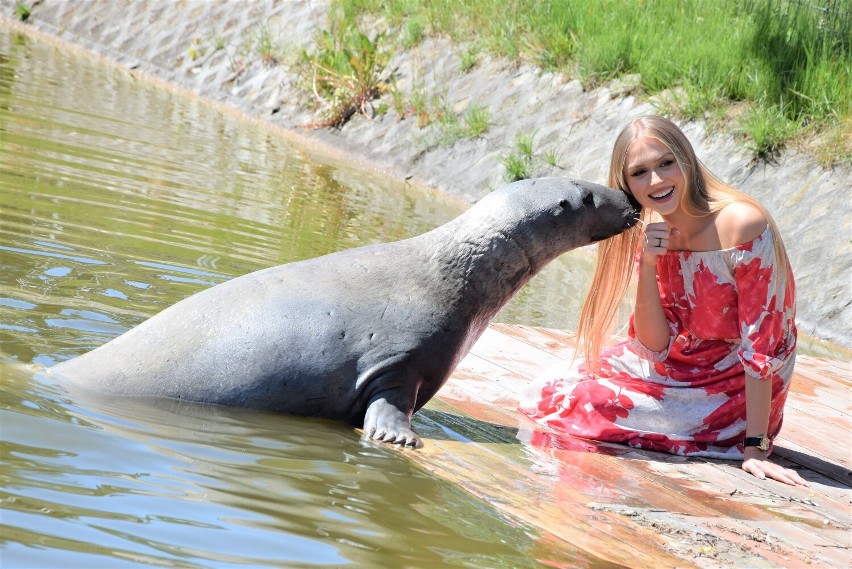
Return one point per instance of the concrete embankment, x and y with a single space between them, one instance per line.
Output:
205 48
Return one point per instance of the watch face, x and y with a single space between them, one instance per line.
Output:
764 443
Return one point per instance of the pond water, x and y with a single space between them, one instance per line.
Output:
119 198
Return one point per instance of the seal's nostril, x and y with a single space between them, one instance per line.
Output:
589 198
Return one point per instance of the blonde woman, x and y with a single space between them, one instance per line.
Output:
712 339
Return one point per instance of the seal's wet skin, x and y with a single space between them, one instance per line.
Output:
367 335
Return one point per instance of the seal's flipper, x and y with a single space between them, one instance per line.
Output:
388 416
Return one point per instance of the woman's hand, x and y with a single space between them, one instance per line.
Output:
656 241
756 463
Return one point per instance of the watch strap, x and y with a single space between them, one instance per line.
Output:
761 442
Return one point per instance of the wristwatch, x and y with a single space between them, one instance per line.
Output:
761 442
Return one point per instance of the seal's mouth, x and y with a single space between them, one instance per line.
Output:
636 211
631 218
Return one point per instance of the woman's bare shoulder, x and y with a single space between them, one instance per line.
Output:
739 223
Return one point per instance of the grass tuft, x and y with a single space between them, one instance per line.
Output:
345 71
23 11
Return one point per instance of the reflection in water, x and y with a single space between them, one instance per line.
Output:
118 199
155 481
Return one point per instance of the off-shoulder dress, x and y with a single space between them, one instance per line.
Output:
726 321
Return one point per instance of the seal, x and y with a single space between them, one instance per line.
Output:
365 335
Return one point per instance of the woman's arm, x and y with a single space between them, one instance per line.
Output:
743 223
649 321
758 398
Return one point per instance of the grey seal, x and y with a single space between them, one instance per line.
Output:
366 335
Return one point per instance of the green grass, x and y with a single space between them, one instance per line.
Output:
519 163
345 70
22 11
787 61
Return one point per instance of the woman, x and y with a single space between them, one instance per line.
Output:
712 338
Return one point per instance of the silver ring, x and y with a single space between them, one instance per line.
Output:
659 241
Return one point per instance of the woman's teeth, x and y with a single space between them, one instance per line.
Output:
662 195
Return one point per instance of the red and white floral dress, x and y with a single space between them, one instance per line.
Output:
726 321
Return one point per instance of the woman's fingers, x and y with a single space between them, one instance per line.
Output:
766 469
657 238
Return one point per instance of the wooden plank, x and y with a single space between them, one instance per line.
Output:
812 460
822 440
603 482
590 486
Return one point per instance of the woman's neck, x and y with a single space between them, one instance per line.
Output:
693 233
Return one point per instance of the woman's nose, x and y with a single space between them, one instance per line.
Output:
655 178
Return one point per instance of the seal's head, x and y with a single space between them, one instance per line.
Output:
554 215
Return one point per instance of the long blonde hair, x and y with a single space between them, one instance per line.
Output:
705 194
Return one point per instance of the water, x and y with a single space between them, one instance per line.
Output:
119 198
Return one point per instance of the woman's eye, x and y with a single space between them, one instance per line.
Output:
666 163
637 173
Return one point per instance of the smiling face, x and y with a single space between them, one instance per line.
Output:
653 175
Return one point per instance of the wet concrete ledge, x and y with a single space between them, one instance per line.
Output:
153 38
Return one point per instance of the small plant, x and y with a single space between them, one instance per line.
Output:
516 168
399 103
267 49
237 65
518 164
833 146
477 121
551 158
382 109
23 11
524 144
196 48
524 163
469 59
345 73
451 126
766 129
417 105
413 33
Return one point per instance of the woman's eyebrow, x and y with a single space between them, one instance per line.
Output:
652 160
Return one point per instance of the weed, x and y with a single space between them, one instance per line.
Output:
266 47
525 146
418 105
833 145
516 168
196 48
346 72
399 103
551 159
413 32
237 66
469 59
474 123
519 164
766 130
23 11
477 121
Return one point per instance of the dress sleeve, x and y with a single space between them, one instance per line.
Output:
766 313
644 351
